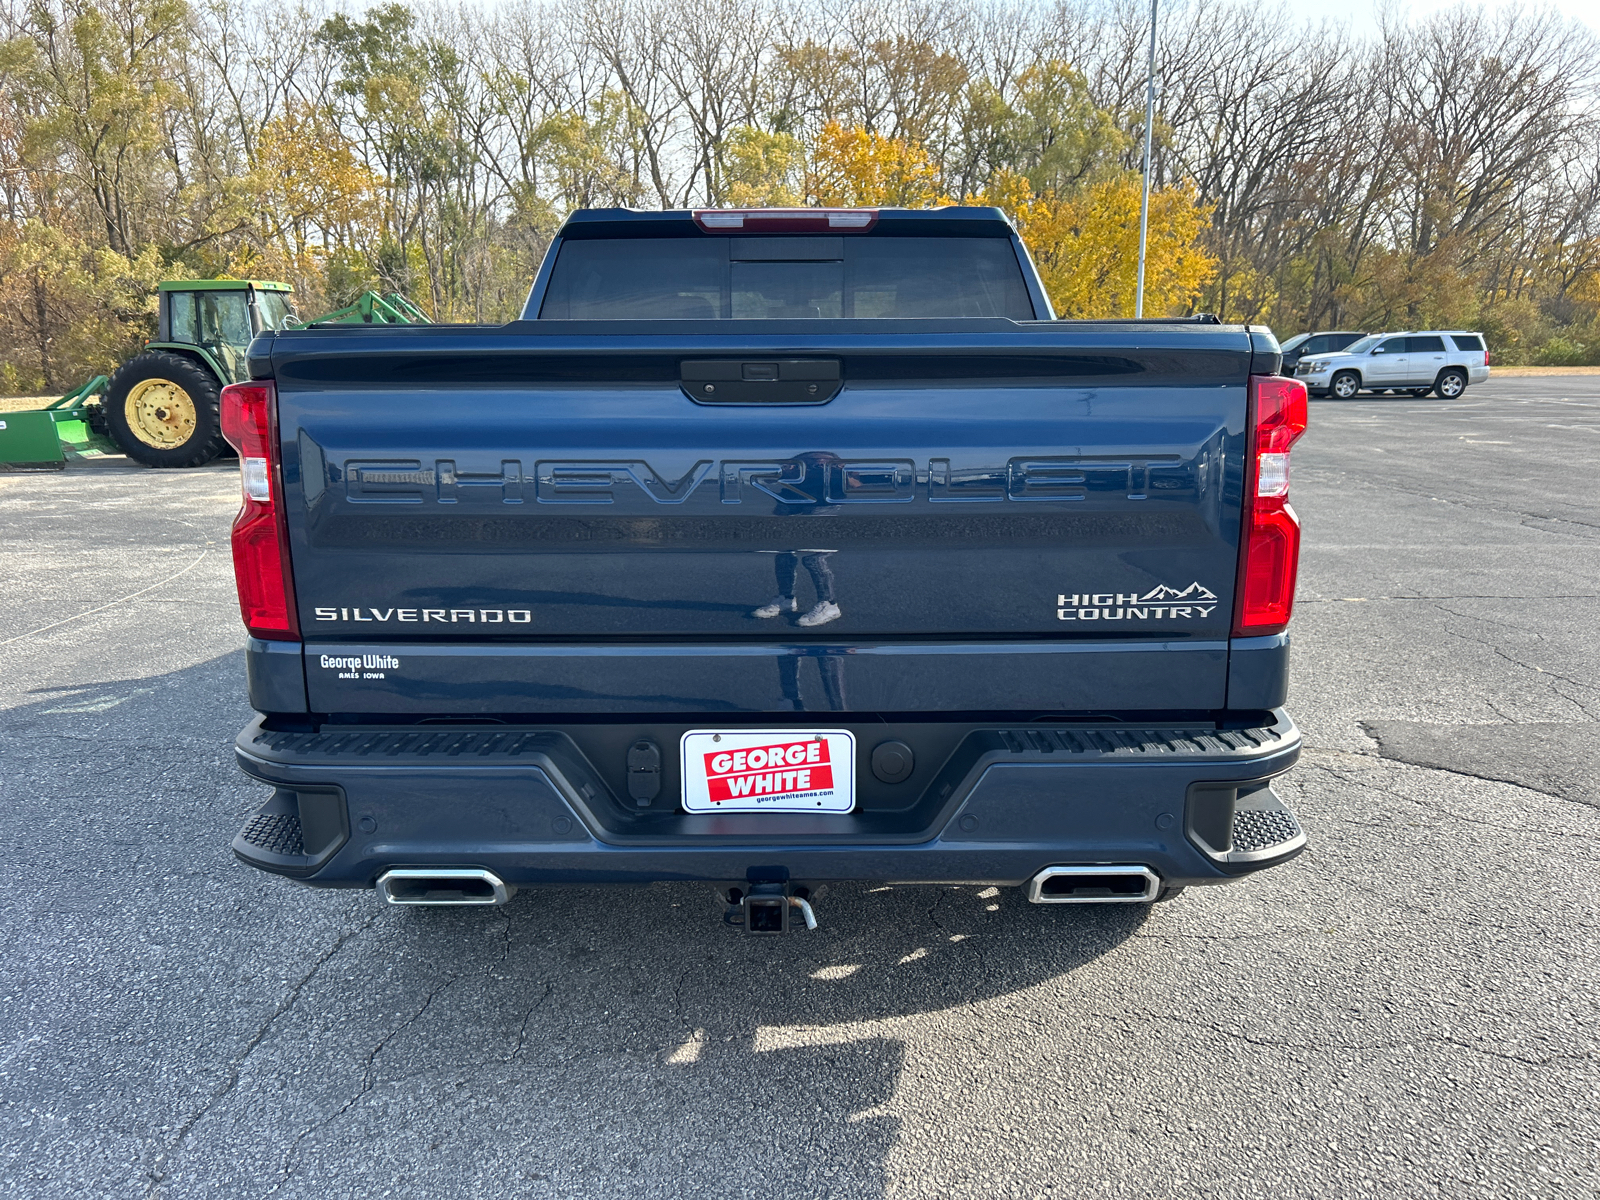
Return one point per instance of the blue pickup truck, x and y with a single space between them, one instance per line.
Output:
769 548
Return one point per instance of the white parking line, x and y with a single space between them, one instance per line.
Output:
111 604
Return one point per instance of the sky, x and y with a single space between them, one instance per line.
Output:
1361 15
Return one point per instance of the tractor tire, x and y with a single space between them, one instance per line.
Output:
164 410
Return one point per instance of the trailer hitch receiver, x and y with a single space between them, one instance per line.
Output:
767 907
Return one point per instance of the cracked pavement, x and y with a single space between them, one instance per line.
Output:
1409 1008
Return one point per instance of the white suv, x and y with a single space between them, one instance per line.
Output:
1442 361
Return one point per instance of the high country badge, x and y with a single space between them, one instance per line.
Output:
1160 603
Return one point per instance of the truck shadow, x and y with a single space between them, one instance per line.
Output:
593 1041
705 1053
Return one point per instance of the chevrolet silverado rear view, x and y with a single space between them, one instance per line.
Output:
769 548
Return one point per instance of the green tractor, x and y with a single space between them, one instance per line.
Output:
161 407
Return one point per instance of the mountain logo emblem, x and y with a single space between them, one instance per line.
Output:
1193 592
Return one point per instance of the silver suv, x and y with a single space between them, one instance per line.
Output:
1442 361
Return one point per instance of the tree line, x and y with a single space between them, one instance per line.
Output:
1445 172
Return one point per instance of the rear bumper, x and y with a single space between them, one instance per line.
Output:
1193 803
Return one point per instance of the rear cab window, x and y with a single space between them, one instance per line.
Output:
799 276
1467 342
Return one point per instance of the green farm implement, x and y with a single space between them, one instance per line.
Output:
160 408
38 438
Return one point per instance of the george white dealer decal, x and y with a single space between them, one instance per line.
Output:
360 666
1160 603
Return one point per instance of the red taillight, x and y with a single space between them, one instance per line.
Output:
260 532
1269 551
785 220
1486 357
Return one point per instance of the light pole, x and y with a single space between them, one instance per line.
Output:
1144 203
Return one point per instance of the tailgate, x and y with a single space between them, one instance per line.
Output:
962 486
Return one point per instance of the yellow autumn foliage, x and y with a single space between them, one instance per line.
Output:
76 303
1583 260
857 168
309 185
760 168
1086 244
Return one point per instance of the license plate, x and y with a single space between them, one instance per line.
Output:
769 770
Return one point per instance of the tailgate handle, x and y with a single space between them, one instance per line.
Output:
761 380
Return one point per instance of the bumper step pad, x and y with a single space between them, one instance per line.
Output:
1133 742
277 833
1255 830
1243 825
295 832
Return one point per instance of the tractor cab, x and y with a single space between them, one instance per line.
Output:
216 318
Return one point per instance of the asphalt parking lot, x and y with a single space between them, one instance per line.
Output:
1410 1008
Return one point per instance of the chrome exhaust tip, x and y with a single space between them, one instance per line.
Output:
442 885
1094 885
